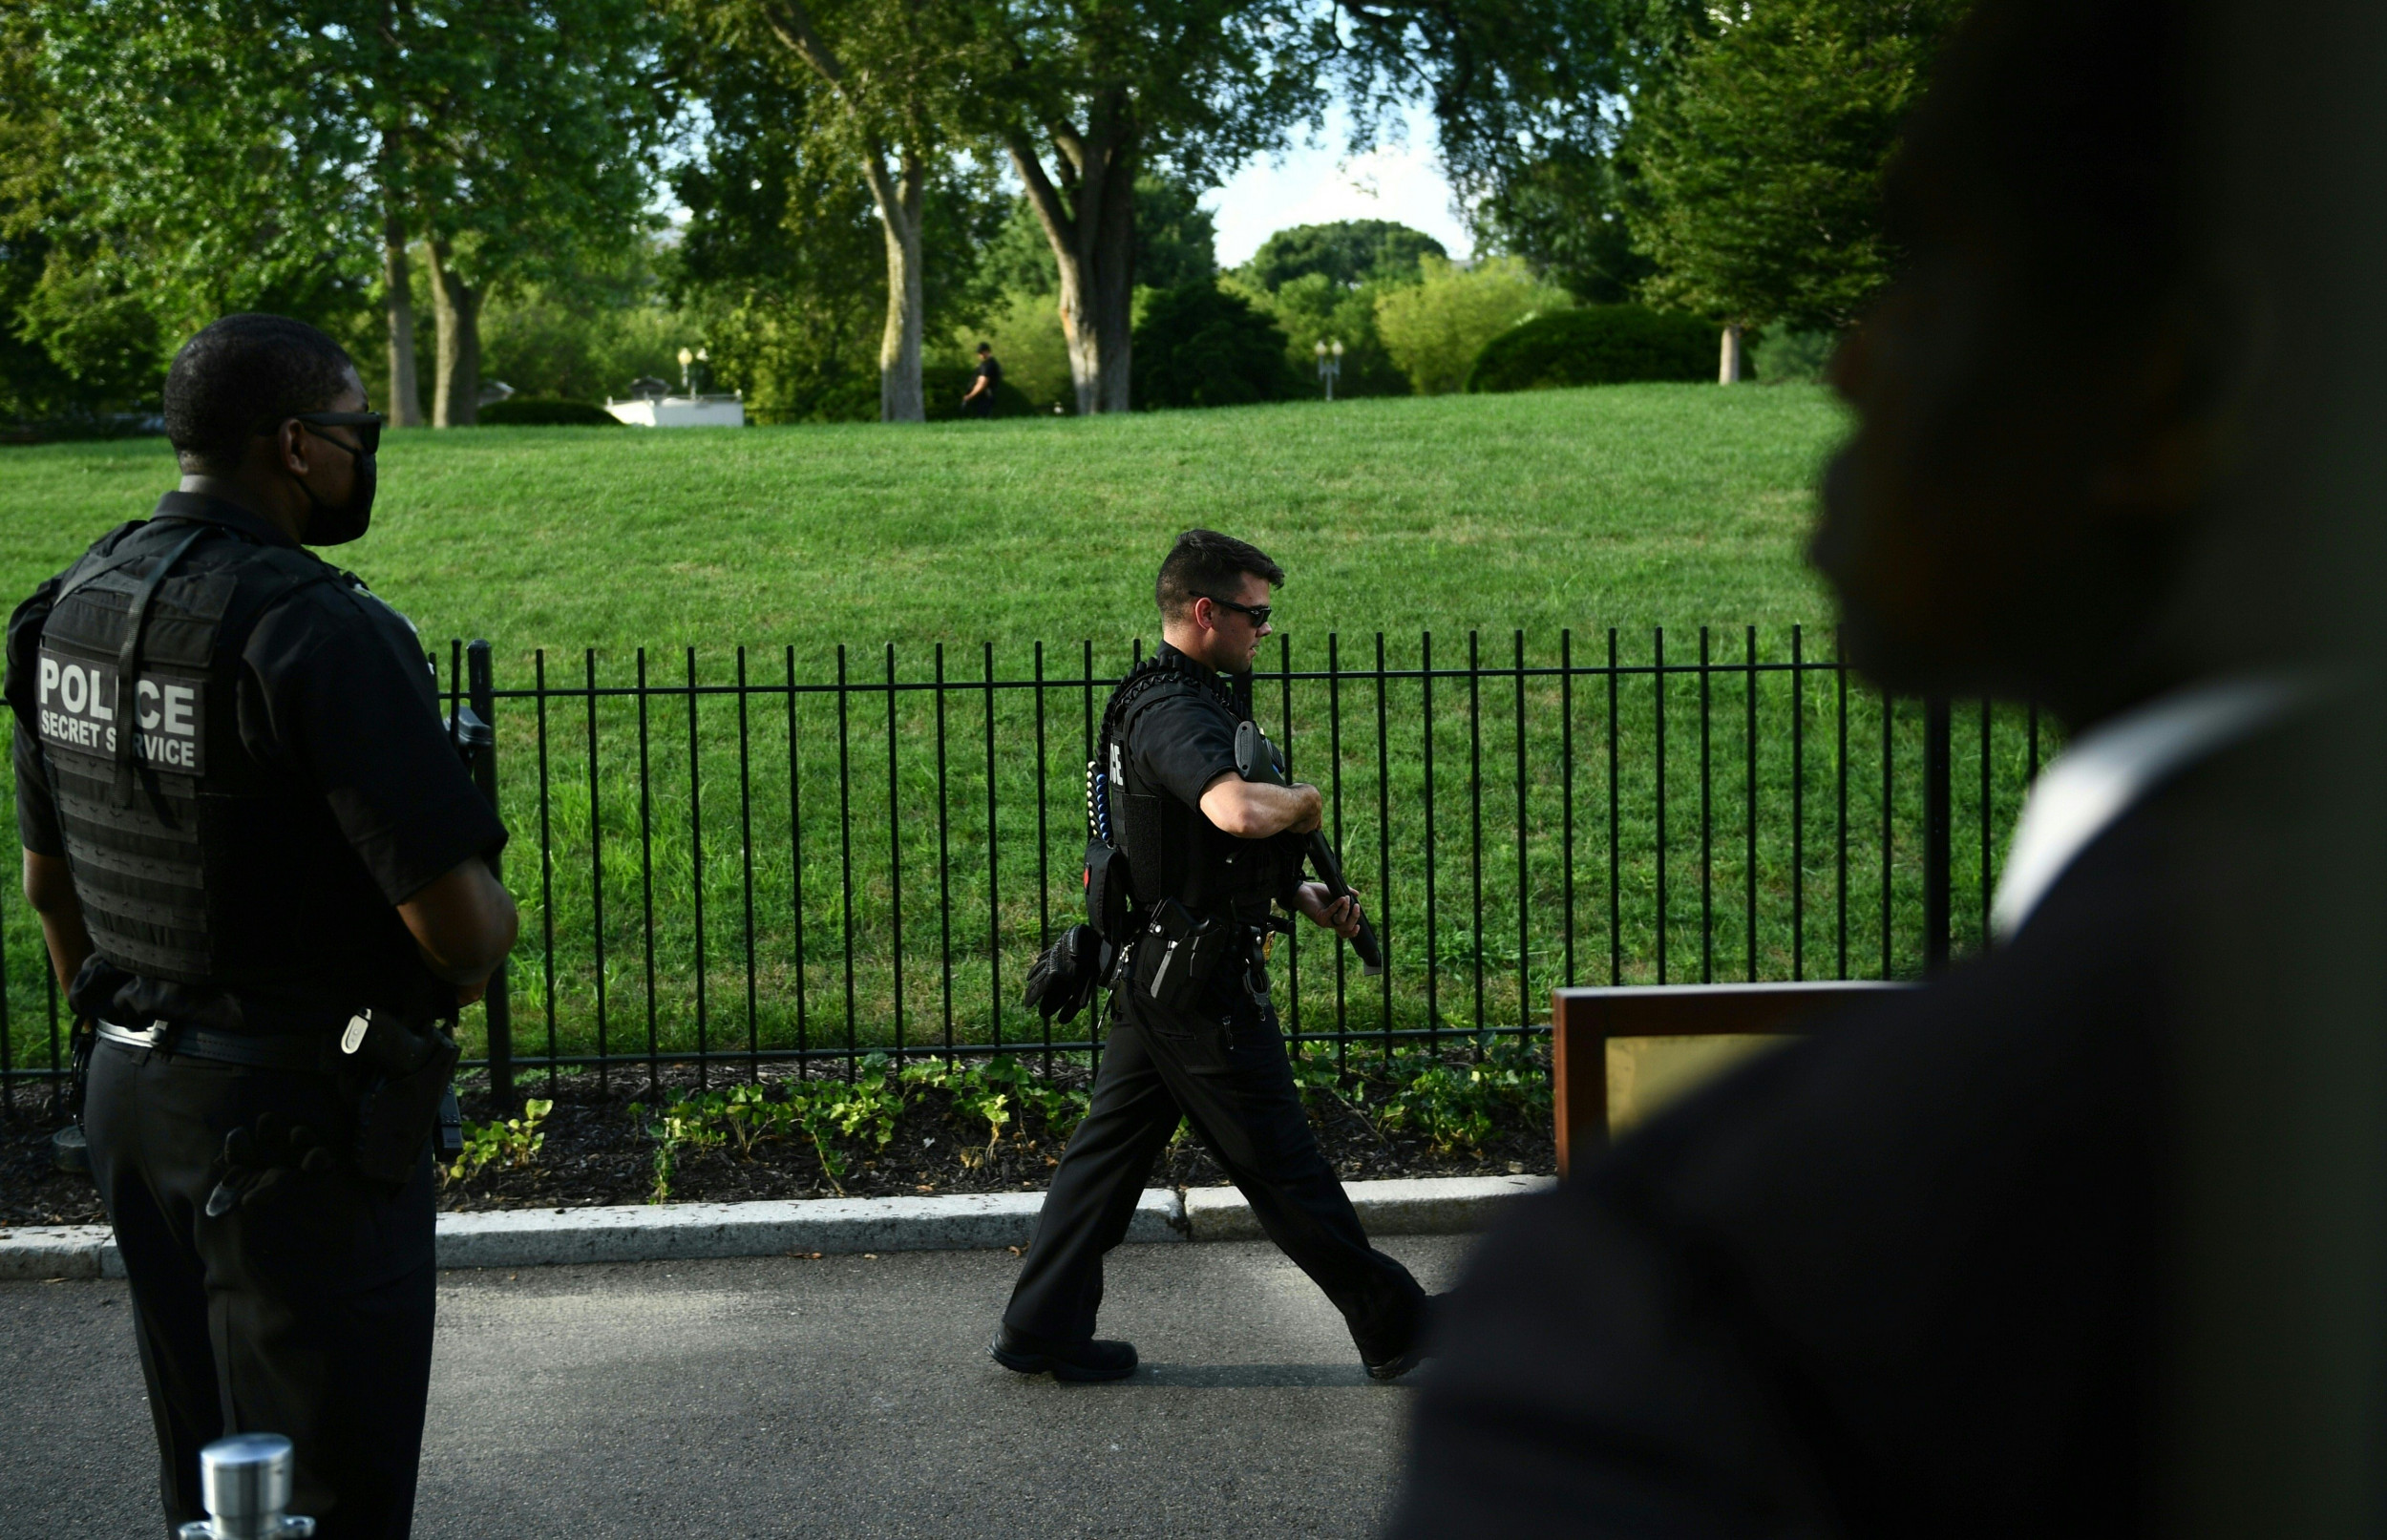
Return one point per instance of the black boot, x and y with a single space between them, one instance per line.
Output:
1420 1347
1063 1360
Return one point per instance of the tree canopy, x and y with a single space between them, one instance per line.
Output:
1347 253
1435 328
1084 96
1564 214
870 185
783 260
1760 160
270 156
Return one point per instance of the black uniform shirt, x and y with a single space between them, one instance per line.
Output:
334 690
1182 742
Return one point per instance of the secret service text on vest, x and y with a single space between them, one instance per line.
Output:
79 711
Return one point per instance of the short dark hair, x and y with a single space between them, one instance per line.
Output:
986 348
241 375
1204 564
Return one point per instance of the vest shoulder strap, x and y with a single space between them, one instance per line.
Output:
1143 685
25 626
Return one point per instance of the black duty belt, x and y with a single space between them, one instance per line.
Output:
298 1053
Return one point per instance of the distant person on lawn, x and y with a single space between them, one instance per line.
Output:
981 401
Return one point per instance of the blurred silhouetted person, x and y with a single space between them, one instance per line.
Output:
979 402
1954 1264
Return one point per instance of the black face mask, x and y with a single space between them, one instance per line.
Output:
336 523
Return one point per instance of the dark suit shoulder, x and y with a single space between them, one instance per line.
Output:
1898 1276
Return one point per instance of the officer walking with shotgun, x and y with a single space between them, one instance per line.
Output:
263 875
1191 854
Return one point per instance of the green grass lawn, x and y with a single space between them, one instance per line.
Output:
828 868
1631 506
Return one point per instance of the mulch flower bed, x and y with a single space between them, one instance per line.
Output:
596 1151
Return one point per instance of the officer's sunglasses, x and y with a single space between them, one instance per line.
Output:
1258 612
365 424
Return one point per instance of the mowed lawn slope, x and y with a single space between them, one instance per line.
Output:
1631 506
793 871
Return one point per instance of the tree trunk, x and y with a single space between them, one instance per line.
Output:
405 406
1113 286
899 203
455 306
1734 365
1088 217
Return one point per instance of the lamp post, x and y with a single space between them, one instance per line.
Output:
686 359
1329 364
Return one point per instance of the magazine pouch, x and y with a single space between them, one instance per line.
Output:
1108 903
1176 953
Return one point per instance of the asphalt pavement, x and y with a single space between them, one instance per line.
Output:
776 1396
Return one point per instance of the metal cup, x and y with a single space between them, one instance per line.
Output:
68 1151
245 1481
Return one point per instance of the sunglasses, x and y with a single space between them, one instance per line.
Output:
1258 612
368 426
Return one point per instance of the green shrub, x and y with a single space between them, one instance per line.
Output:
1200 346
1456 1107
1434 327
516 1141
546 412
1600 345
1788 357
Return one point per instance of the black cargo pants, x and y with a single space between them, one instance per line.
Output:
306 1311
1224 1068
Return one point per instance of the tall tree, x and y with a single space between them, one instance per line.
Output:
1509 82
1086 95
1565 214
96 356
1529 99
393 160
886 70
284 153
1760 160
527 143
782 239
1176 241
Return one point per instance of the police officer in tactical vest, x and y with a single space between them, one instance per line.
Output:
263 874
1207 854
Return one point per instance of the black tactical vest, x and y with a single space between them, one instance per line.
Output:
194 863
1173 852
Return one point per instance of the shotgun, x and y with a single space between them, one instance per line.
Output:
1257 759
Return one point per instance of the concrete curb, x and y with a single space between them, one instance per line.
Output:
36 1253
961 1221
1421 1206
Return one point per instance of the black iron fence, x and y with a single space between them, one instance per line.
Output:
725 856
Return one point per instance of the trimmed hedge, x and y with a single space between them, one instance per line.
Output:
1597 345
546 412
